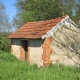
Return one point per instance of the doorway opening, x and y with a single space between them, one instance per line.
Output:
24 44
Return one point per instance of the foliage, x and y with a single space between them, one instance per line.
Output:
35 10
72 8
4 42
14 69
5 56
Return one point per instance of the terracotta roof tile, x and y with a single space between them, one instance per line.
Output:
36 29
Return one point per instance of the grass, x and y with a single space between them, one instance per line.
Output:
14 69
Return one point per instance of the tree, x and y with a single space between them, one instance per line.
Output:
72 8
35 10
5 25
78 16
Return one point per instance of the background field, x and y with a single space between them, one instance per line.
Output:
14 69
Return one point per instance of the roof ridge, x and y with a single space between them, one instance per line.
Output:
48 19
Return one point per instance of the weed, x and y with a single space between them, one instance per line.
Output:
12 68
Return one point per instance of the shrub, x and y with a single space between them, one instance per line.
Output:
4 44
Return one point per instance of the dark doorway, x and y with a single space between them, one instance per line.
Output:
25 48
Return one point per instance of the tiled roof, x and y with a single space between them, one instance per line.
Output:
36 29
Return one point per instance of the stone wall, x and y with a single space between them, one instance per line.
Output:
36 52
15 47
66 46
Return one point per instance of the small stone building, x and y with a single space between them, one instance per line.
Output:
45 42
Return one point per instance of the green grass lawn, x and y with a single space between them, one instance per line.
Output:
14 69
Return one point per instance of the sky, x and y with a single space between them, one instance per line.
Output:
10 8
